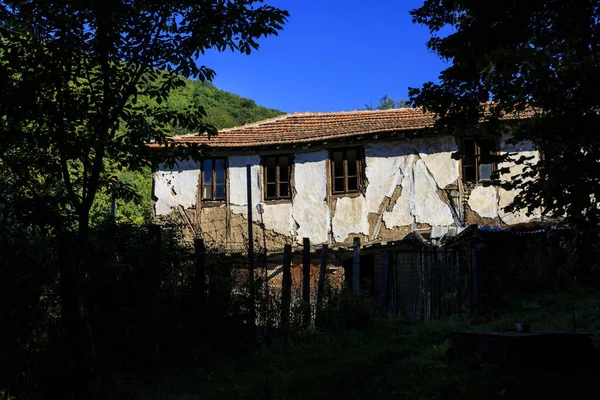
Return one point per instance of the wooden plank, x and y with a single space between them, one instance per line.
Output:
321 287
306 281
286 289
250 247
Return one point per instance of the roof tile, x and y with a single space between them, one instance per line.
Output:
305 127
308 127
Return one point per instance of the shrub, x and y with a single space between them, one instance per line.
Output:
346 310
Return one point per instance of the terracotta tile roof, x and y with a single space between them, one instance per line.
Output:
305 127
309 127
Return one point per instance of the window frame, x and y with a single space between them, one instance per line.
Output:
213 181
493 145
359 170
278 197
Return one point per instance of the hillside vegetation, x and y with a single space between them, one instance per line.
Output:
223 110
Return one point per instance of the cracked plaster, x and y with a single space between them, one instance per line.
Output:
405 182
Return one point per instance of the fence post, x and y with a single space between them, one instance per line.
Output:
199 289
356 267
383 288
286 290
321 287
306 282
250 248
153 298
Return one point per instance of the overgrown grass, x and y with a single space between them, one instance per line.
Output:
392 360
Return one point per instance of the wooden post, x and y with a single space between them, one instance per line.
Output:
199 289
383 286
153 297
321 287
286 289
306 282
250 246
356 267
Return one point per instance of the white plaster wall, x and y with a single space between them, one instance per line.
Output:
278 217
436 153
490 202
384 171
310 210
428 206
402 213
506 197
351 217
484 201
238 190
420 167
175 187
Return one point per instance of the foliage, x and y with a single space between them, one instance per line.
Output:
387 103
78 81
131 206
223 110
347 310
539 57
389 360
72 76
33 356
29 306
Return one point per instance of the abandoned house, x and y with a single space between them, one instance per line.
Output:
330 177
382 176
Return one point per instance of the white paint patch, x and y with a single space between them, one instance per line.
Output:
278 217
483 201
238 190
506 197
176 187
310 210
350 217
428 206
402 213
436 153
517 169
419 201
383 171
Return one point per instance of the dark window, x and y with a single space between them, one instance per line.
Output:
213 179
277 173
477 161
346 167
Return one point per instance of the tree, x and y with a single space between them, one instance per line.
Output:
541 58
223 110
387 103
71 74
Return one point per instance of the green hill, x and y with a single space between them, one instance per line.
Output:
223 110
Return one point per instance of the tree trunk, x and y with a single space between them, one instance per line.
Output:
75 314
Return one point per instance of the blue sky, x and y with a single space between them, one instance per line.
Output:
332 55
